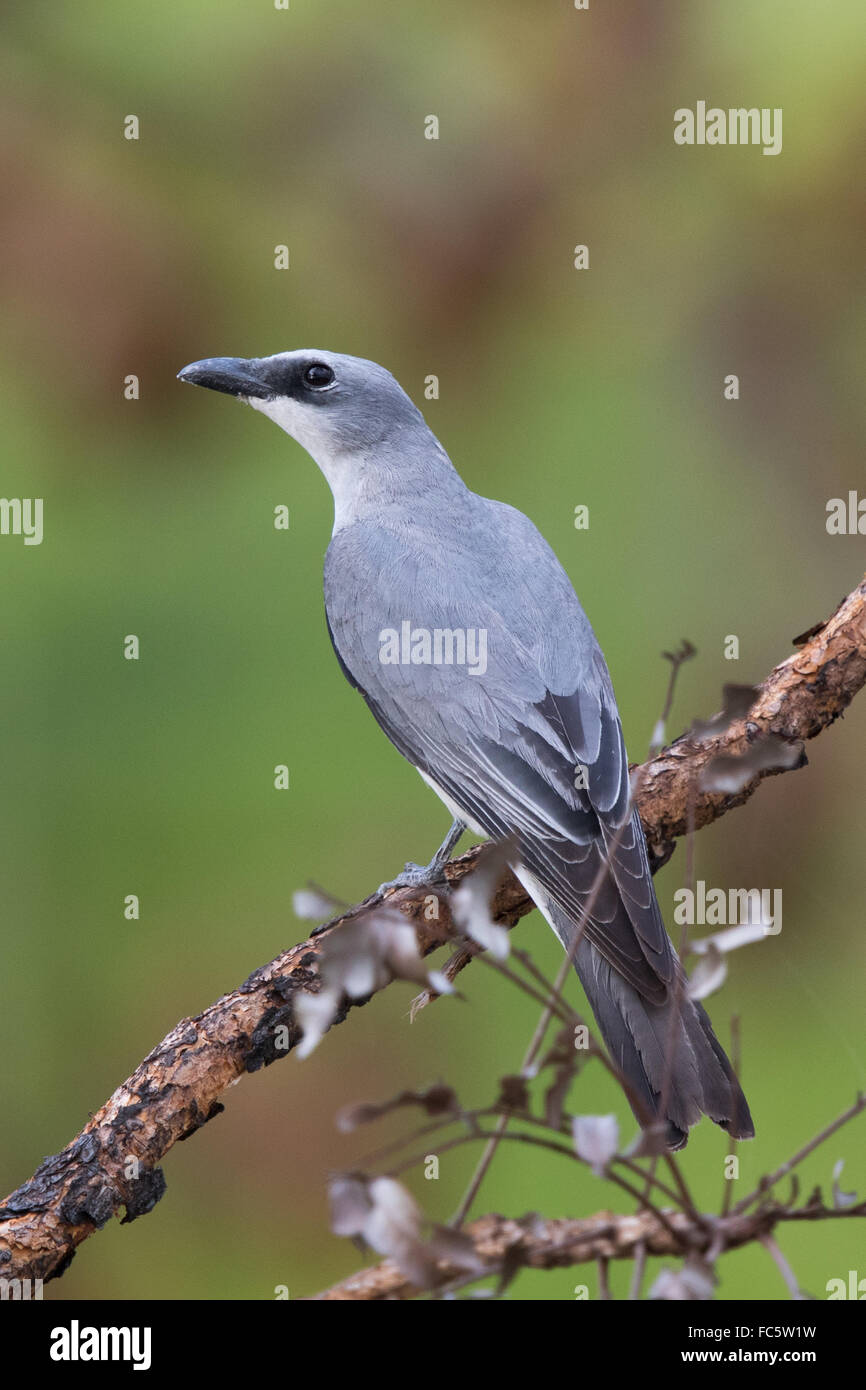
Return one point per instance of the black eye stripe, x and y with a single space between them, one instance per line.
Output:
318 374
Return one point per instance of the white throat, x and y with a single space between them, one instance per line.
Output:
341 470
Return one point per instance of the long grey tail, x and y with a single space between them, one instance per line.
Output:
668 1052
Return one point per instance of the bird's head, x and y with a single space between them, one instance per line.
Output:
333 405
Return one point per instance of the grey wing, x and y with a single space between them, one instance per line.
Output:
512 765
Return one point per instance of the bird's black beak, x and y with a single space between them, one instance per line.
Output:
237 376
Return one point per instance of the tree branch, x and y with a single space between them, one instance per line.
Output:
504 1245
800 698
113 1163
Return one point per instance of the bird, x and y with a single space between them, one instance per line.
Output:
454 619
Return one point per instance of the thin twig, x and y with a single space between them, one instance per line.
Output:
785 1269
767 1183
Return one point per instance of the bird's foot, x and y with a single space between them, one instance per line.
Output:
430 875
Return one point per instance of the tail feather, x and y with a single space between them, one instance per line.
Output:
675 1066
668 1052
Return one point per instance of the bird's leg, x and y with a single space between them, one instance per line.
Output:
419 875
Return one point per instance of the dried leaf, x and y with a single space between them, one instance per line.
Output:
357 959
513 1093
737 700
393 1228
457 1248
694 1282
436 1100
841 1199
596 1139
314 1014
730 774
439 983
386 1216
470 903
350 1203
731 938
312 905
709 974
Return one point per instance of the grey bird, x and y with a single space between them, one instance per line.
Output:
452 616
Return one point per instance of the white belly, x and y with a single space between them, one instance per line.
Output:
528 880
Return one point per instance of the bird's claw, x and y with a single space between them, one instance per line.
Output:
430 875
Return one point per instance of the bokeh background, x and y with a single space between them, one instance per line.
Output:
557 387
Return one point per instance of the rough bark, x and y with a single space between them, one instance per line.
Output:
504 1245
800 697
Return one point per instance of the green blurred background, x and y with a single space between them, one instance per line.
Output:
558 387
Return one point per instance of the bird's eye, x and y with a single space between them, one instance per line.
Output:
318 374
